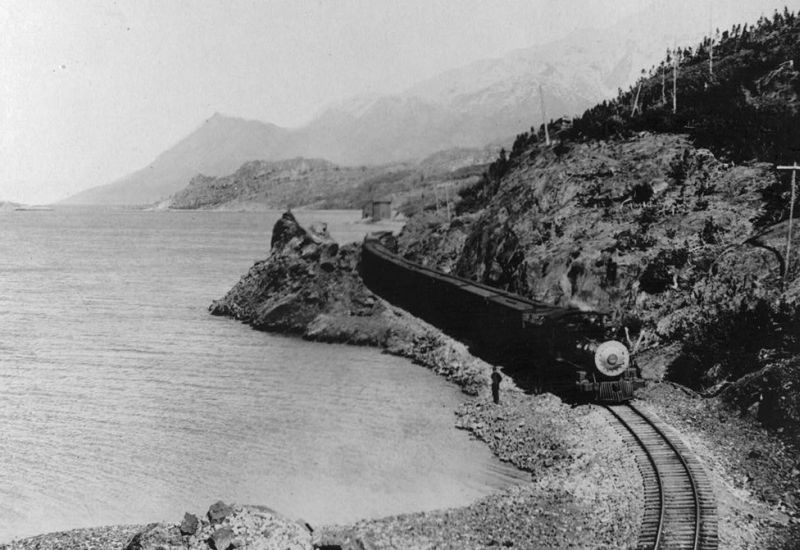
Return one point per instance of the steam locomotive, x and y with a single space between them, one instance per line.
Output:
555 349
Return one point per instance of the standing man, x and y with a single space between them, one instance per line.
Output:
496 377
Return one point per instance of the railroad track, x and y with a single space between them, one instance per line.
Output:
679 507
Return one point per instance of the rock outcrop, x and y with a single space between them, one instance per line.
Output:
653 231
307 277
310 286
227 527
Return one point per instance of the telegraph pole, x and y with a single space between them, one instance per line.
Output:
675 62
636 101
544 117
711 42
794 168
447 200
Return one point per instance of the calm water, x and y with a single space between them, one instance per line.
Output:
123 401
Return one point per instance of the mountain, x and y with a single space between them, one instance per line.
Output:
486 101
218 147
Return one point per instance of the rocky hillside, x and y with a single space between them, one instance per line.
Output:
634 227
321 184
683 245
278 184
742 104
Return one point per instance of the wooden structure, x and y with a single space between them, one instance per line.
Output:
377 209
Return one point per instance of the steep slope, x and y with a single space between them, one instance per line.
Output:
219 146
745 106
683 246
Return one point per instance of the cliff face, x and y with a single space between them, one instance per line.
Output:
662 235
591 227
306 275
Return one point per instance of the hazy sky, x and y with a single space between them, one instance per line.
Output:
93 90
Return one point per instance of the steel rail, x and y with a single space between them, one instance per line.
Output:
649 450
692 481
652 461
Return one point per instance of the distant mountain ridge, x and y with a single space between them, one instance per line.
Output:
483 102
269 184
317 183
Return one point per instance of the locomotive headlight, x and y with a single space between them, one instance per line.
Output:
612 358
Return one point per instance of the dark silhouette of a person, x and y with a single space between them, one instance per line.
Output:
496 377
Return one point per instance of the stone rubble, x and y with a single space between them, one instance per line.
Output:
228 527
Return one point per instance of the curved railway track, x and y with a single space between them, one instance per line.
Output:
679 505
680 510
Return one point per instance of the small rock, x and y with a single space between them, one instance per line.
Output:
222 539
157 536
319 229
327 266
189 524
218 512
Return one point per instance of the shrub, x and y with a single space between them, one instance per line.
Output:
658 275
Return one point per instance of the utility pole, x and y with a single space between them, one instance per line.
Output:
675 62
636 101
447 200
711 44
794 168
544 117
711 59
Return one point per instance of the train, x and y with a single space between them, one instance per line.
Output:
544 347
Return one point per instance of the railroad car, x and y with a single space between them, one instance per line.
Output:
557 349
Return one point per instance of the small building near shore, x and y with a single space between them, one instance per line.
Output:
377 209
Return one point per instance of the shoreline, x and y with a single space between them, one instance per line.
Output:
554 463
585 489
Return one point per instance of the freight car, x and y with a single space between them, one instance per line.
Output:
554 348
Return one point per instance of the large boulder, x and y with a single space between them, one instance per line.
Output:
218 511
189 524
